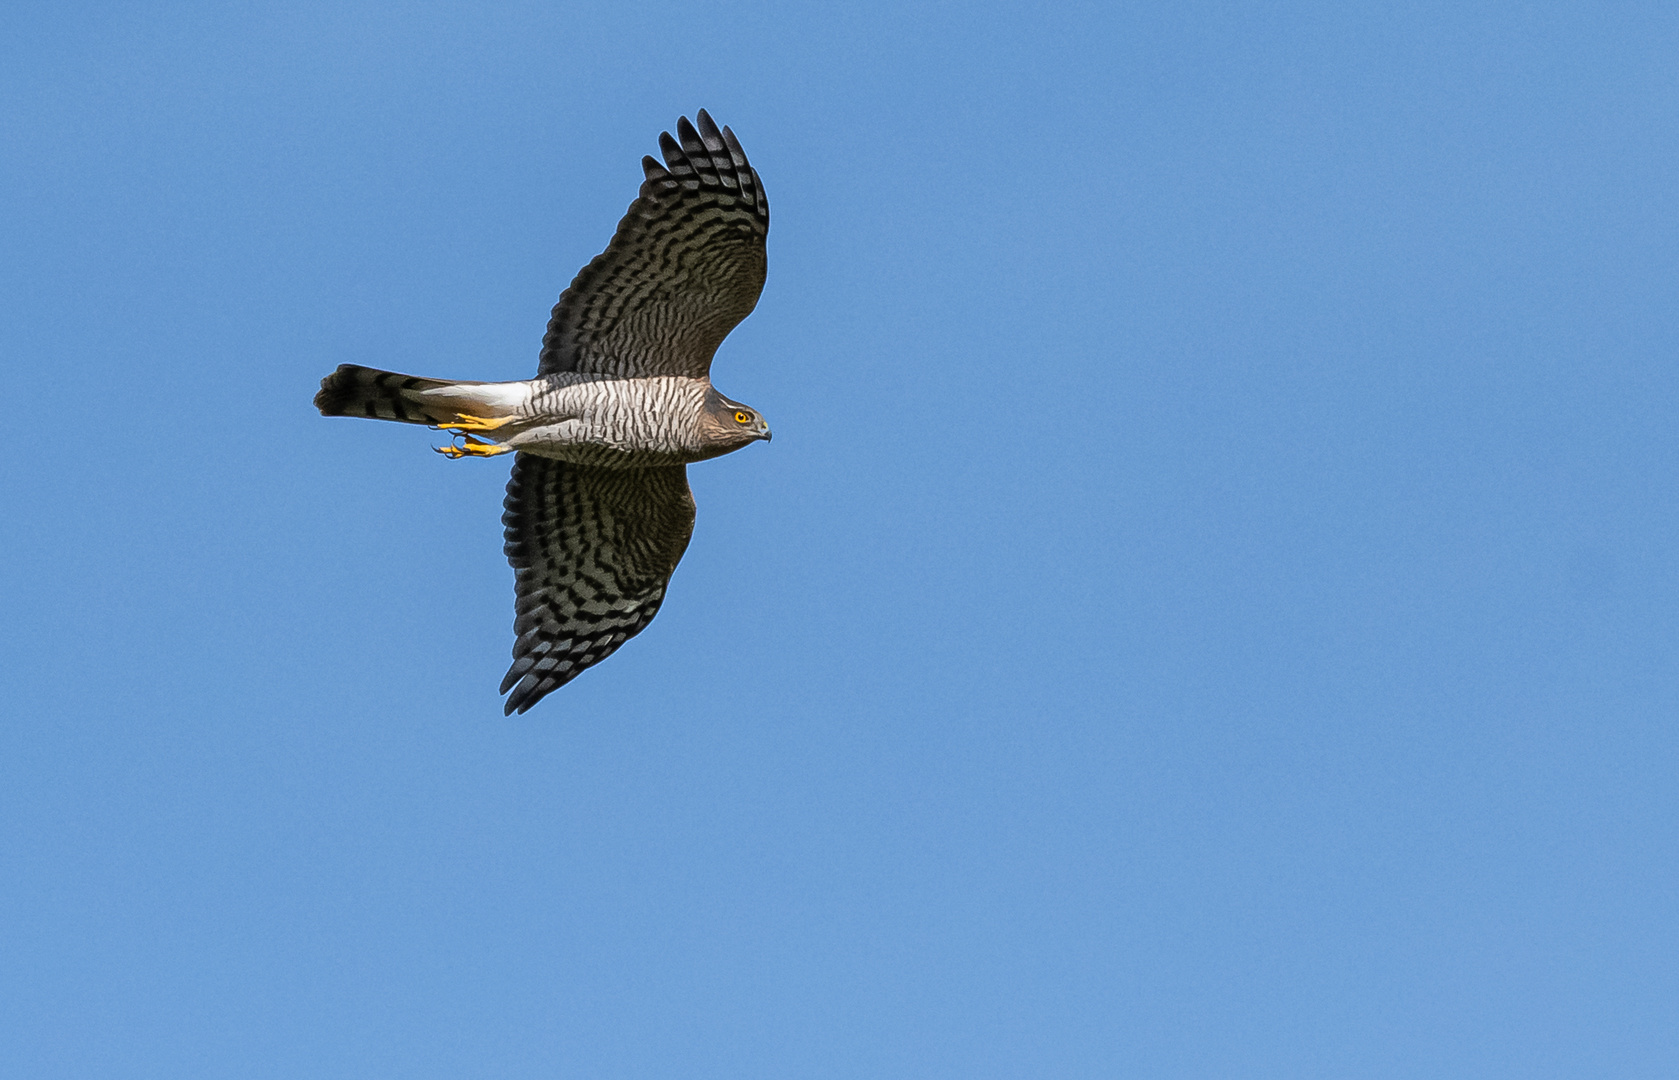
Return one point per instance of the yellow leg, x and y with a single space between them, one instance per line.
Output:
470 447
464 423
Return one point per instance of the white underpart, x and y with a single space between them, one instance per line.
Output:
594 419
496 398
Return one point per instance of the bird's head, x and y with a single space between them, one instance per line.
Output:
728 425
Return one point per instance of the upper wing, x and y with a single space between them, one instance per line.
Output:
686 264
592 550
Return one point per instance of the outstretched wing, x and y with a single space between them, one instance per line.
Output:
685 266
592 550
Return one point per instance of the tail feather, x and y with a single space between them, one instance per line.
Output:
353 390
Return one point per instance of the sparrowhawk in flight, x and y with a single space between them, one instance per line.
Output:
598 511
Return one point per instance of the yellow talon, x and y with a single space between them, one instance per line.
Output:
463 423
470 447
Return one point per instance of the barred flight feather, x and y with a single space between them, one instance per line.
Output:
685 266
592 551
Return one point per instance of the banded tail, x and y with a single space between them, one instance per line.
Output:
353 390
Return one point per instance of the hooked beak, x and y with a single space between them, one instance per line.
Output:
764 433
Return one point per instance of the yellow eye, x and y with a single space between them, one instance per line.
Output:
742 418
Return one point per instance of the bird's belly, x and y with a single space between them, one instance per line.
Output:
575 441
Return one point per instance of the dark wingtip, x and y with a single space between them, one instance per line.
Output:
735 151
528 693
674 157
526 686
712 138
685 132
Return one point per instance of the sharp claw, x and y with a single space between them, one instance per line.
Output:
471 447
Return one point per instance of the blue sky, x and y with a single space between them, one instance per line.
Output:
1209 608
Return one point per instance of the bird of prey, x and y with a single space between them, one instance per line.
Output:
598 510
